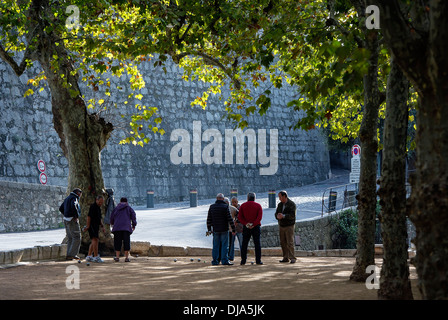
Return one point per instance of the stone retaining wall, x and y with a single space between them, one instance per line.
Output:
30 207
27 134
313 234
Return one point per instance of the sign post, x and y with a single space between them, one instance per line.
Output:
355 164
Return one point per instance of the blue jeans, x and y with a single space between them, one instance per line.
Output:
220 247
239 235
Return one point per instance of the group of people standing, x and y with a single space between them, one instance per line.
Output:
122 219
224 220
227 221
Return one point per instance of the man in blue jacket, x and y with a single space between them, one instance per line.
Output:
71 210
219 219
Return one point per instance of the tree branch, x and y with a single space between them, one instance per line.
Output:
29 54
333 21
18 69
213 62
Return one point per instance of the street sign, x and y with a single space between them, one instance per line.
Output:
355 171
356 151
43 178
41 166
356 163
354 178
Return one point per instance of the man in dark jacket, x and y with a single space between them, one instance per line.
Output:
286 216
218 221
71 210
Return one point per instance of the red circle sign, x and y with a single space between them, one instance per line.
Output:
356 150
41 165
43 178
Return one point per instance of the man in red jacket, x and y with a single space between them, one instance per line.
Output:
250 215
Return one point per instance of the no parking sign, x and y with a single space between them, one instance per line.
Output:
355 164
356 151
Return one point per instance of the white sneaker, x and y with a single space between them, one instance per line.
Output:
89 258
97 259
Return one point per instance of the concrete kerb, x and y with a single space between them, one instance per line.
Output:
37 253
141 248
146 249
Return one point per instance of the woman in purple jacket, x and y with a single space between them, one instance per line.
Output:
123 221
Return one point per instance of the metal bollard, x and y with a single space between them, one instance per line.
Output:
150 198
271 197
233 193
332 201
193 197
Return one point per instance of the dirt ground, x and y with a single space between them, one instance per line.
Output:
163 278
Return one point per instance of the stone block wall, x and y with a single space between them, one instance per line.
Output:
312 234
27 135
29 207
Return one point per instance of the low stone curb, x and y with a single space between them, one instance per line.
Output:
37 253
141 248
147 249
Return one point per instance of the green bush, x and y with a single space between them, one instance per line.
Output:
344 231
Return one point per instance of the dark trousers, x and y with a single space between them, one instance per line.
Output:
122 238
255 233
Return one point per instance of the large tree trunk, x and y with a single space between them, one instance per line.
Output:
429 200
367 181
420 49
82 135
394 283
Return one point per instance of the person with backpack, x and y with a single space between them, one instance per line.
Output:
71 210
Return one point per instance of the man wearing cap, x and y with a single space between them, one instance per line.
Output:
71 210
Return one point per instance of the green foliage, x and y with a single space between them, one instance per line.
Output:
102 46
345 229
251 47
290 43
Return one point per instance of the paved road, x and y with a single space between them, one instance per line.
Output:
176 224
